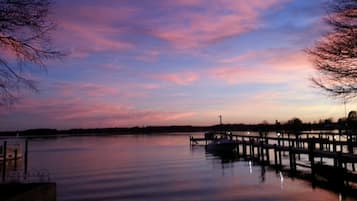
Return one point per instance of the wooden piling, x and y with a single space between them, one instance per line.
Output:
280 162
15 162
311 148
26 156
261 150
251 147
275 156
334 146
267 153
244 150
4 161
290 158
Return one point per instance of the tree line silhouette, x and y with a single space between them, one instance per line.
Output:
294 125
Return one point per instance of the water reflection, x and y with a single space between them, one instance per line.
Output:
281 180
159 167
230 159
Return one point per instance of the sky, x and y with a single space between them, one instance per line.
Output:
178 62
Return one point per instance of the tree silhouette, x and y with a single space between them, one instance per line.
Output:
25 27
335 55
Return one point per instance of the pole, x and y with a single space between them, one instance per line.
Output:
15 162
26 156
4 161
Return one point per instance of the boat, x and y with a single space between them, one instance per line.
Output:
220 141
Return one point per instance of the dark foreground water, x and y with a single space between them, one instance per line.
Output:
158 167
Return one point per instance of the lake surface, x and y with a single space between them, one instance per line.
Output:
158 167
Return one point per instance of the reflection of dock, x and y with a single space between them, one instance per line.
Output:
13 153
326 155
17 183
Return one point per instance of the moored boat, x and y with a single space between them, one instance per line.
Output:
221 141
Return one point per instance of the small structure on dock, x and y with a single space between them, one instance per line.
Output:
12 151
12 154
18 184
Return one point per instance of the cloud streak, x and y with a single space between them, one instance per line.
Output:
181 78
71 113
217 20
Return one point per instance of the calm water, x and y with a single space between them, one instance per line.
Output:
157 167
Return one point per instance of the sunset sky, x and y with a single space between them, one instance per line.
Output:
177 62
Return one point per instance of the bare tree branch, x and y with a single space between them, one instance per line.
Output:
335 55
25 27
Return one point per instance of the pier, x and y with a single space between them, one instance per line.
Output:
12 155
325 155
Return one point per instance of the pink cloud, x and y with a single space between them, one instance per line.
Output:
240 75
75 112
86 89
149 56
89 29
290 61
219 20
264 66
182 78
241 58
87 39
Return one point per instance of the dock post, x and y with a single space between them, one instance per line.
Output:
262 150
311 155
252 151
26 156
290 158
334 144
296 140
4 161
275 156
320 142
258 150
15 162
282 138
244 149
279 152
267 153
289 139
298 146
294 160
340 168
238 147
349 143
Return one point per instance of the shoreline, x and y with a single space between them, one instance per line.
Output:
293 128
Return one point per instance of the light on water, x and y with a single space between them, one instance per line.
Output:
281 180
159 167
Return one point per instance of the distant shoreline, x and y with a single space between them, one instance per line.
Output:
173 129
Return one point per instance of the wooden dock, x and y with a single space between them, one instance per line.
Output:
12 152
325 154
